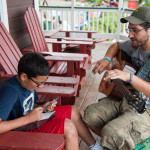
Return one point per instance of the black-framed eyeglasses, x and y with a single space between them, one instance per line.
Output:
39 83
133 31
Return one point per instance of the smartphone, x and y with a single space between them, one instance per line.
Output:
52 103
56 100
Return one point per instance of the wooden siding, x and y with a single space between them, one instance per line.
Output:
16 9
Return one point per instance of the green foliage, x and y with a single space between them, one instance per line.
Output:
147 4
39 2
145 1
140 1
98 2
105 23
91 1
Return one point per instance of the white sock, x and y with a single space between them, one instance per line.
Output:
96 146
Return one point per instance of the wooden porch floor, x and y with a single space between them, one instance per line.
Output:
89 93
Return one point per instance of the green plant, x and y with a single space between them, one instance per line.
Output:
98 2
39 2
92 1
105 23
146 1
147 4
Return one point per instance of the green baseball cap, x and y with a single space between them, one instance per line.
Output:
139 16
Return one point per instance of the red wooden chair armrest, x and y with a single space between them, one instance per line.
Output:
51 79
78 39
31 141
67 59
49 34
98 40
31 49
56 91
77 31
65 54
62 80
69 42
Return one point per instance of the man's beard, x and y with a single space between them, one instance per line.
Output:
136 43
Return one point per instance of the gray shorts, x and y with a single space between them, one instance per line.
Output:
121 127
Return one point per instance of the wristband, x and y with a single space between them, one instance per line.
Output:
107 58
131 77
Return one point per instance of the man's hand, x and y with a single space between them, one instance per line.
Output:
118 74
35 114
100 66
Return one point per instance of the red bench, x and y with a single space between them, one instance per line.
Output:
31 141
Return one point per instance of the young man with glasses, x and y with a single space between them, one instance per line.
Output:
17 99
119 126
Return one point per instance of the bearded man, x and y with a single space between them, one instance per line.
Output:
119 126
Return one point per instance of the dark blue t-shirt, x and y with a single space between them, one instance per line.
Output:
15 101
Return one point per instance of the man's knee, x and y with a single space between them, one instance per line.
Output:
91 117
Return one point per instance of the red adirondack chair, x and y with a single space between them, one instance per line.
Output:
40 45
37 37
31 141
9 57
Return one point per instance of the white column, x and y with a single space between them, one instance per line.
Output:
120 8
72 13
36 6
3 13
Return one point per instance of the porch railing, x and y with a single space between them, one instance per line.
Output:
103 20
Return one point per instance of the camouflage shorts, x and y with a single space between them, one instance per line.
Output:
121 128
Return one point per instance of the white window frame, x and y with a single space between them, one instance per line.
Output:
4 13
36 6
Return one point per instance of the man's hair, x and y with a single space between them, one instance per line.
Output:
33 64
145 25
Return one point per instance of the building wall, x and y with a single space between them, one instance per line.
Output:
17 28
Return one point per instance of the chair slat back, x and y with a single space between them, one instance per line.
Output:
35 30
10 53
4 66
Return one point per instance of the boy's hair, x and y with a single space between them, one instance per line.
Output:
33 64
